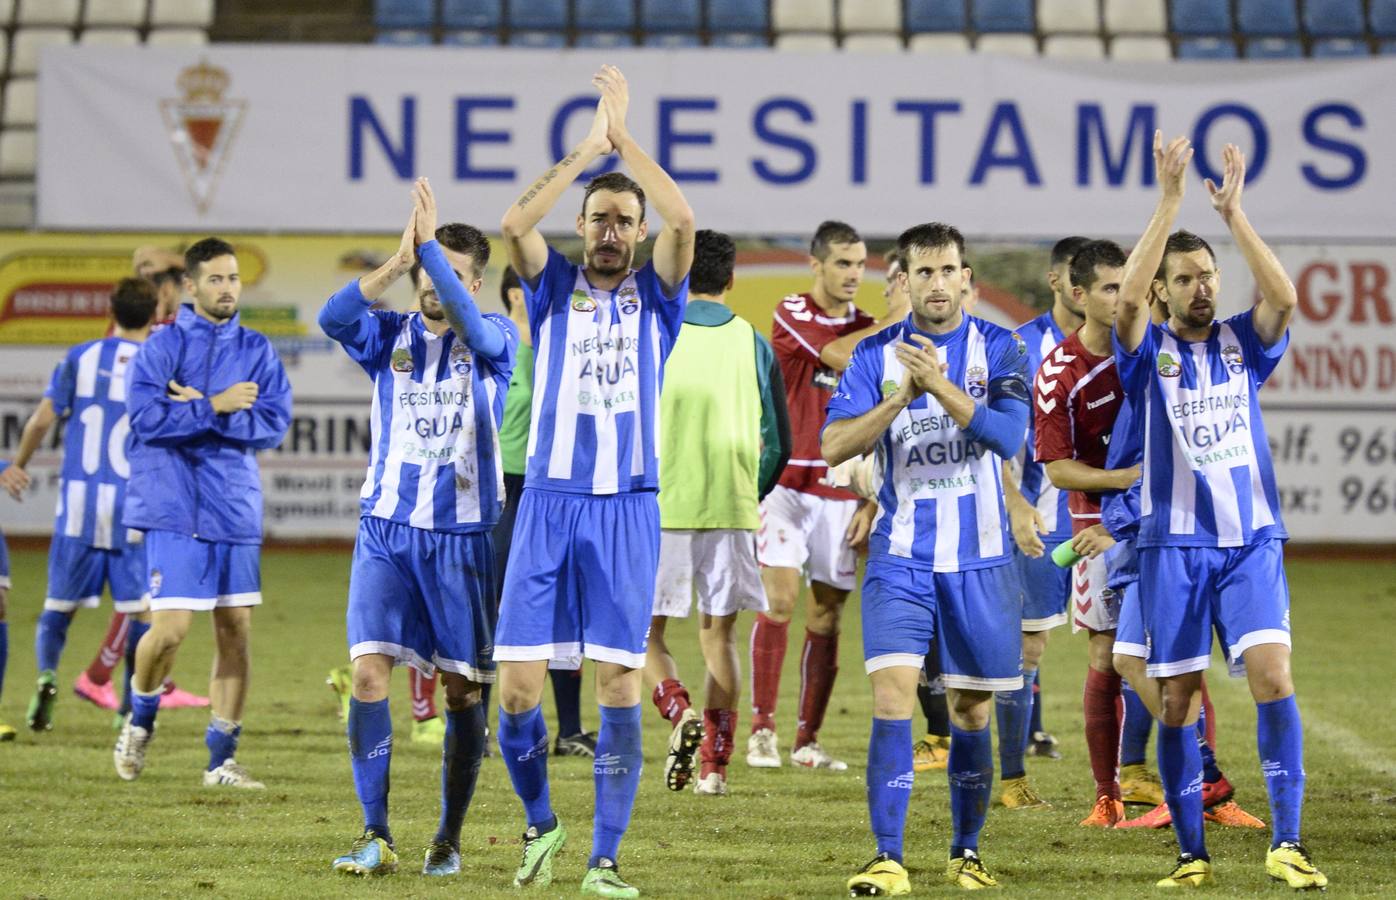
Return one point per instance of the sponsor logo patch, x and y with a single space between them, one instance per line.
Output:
402 360
1168 366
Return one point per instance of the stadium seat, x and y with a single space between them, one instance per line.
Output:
177 37
604 39
1002 15
1339 48
603 15
1024 45
17 153
1267 17
802 15
1073 46
1068 16
403 37
1207 48
538 39
1334 18
870 15
672 40
1382 16
805 42
128 13
181 13
404 14
21 101
47 12
538 15
472 15
670 15
939 44
1136 17
1141 48
866 42
935 15
738 40
109 37
24 53
1273 48
1209 17
737 15
470 38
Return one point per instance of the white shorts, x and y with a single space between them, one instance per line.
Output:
1093 605
719 562
804 531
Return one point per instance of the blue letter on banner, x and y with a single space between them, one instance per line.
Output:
1020 157
465 137
1090 124
927 112
670 137
402 159
1356 158
558 137
1255 165
803 148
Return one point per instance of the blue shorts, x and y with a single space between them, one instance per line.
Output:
1046 590
1131 638
4 562
77 572
973 615
580 581
423 597
188 573
1186 592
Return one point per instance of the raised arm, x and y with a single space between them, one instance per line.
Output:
345 316
1132 311
528 252
673 248
479 334
1277 296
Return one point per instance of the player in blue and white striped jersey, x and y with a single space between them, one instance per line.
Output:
90 549
1210 537
422 584
942 400
581 574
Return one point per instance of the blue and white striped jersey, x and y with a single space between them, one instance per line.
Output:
1041 335
598 369
940 491
1208 477
434 460
89 388
1119 510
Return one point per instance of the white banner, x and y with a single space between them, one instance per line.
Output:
327 138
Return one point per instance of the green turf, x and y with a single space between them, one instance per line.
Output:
72 829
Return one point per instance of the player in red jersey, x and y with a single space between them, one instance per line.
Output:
806 525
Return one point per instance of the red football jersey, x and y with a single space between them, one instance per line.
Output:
798 334
1076 398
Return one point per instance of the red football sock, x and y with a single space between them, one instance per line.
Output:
819 665
671 699
718 728
1103 731
768 640
112 651
423 695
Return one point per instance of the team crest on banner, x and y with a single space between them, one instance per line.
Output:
201 127
977 379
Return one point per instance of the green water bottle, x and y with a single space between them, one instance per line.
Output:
1065 555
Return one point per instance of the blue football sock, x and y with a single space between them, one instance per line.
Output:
1036 724
567 697
370 755
4 653
1280 739
1134 734
523 742
221 739
890 775
971 772
1210 773
145 706
1180 769
50 637
460 767
1013 709
616 772
135 630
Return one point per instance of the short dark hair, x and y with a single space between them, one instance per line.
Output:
461 238
173 273
508 281
1090 255
1064 249
1181 241
133 303
616 183
964 264
929 236
829 232
203 251
714 258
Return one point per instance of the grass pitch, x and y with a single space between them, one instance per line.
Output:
72 829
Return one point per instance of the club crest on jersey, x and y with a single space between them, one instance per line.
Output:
1232 355
889 387
629 300
582 302
155 580
977 380
402 360
1021 344
460 359
1168 366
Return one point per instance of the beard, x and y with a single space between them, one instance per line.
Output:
436 312
623 256
214 310
1196 318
